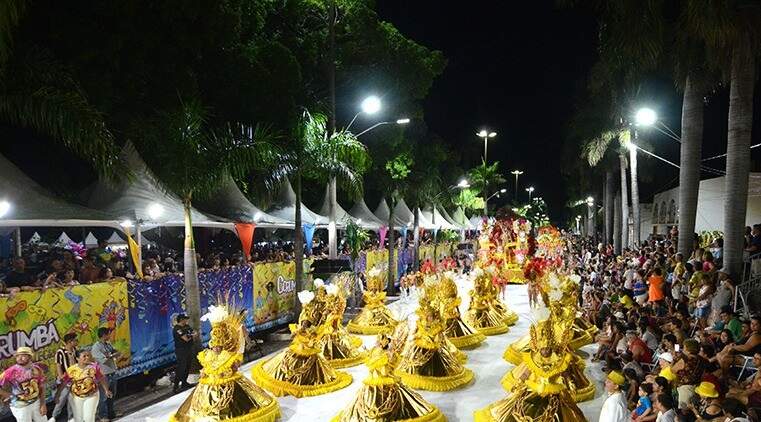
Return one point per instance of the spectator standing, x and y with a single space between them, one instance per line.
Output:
19 277
64 358
664 404
89 272
105 354
614 408
183 349
83 379
27 382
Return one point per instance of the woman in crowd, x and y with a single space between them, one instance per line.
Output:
729 355
83 380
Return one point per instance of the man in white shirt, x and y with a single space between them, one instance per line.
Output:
614 408
664 404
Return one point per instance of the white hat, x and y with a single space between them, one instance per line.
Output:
619 315
667 357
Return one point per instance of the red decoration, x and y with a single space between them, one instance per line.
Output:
245 233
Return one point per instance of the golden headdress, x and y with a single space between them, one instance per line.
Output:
375 280
226 323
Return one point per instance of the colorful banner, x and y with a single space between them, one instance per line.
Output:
274 293
152 304
233 284
40 319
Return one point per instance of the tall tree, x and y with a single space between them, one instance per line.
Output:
486 177
192 158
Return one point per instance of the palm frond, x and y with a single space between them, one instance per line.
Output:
10 14
595 149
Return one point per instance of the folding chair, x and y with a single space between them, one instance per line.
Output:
747 365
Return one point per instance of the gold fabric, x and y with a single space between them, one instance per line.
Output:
339 348
375 317
300 370
383 398
82 380
577 383
524 405
223 394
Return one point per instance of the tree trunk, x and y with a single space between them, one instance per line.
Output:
190 271
624 204
332 231
486 200
610 193
742 78
416 245
298 243
635 198
591 221
689 162
617 224
391 241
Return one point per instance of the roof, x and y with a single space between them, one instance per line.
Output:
437 220
341 215
365 217
32 205
229 202
285 207
131 198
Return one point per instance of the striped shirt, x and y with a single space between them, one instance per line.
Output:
63 359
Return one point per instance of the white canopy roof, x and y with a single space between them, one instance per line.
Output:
133 198
115 239
459 217
229 202
365 217
449 218
341 215
434 218
32 205
403 215
285 207
91 240
63 240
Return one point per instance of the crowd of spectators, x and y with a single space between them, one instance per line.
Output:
669 332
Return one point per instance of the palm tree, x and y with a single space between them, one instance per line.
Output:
423 188
38 93
732 26
192 159
485 176
398 170
314 154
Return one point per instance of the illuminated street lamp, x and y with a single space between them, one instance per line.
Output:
530 191
503 190
516 173
402 121
463 184
645 117
155 211
369 106
486 135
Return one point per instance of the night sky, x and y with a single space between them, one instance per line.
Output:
513 67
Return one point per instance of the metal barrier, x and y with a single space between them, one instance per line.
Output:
742 293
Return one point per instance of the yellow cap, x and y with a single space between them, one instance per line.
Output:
616 377
626 301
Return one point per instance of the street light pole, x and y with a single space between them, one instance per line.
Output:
486 135
516 173
530 190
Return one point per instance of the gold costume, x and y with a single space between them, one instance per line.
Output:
456 330
222 393
544 395
300 370
486 313
583 334
374 317
382 396
427 362
339 348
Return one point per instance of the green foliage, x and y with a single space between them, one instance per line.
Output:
469 199
486 175
192 157
356 237
400 166
535 212
448 236
10 14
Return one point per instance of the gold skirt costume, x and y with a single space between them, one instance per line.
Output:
542 397
341 351
578 384
583 334
456 330
508 314
223 394
428 364
486 319
383 398
300 370
375 317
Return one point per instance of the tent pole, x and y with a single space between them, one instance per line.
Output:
17 242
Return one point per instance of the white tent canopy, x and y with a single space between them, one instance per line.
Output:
459 217
365 217
285 207
436 220
115 239
341 215
32 205
91 240
449 219
229 202
424 220
63 240
142 198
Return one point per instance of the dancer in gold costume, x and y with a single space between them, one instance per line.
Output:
222 393
340 349
486 313
375 317
455 329
544 396
383 397
301 369
427 362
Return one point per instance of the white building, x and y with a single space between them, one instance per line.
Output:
710 214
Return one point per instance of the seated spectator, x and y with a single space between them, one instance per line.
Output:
637 348
709 407
19 278
644 405
89 272
664 405
729 355
749 391
68 278
689 372
728 321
